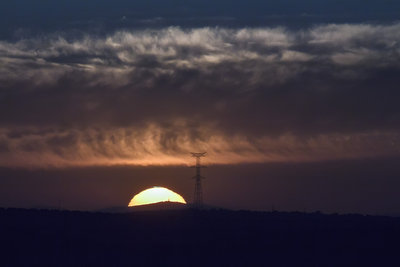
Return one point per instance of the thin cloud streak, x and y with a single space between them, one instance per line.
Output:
156 146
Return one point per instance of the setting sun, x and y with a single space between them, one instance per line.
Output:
156 195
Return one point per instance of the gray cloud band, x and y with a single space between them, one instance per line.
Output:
120 57
282 95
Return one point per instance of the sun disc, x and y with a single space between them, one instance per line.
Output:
155 195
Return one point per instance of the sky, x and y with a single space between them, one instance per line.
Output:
295 102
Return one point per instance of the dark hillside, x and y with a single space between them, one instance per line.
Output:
202 238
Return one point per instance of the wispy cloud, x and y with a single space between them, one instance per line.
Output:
172 49
244 95
160 146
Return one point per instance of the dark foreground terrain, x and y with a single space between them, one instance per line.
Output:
195 237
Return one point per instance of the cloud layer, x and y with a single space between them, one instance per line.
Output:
244 95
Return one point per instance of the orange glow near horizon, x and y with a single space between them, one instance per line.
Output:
156 195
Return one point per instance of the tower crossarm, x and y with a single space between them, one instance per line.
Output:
198 155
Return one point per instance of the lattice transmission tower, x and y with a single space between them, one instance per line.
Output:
198 190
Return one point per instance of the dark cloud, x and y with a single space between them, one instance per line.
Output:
252 94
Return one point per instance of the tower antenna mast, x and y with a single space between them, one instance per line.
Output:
198 190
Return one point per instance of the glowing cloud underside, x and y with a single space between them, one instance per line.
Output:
155 195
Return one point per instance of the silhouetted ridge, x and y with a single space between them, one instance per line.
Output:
166 205
175 237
